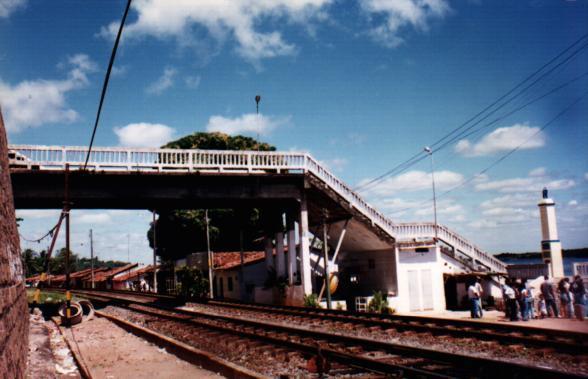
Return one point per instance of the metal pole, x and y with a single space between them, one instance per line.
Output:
210 260
429 151
326 258
257 100
67 278
154 253
92 257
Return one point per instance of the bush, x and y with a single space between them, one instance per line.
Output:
311 301
193 284
378 304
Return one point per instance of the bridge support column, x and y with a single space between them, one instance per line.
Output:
304 247
292 255
280 256
269 253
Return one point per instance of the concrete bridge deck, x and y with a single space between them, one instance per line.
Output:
170 178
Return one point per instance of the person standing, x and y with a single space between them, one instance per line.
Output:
480 290
549 295
474 297
511 301
565 297
530 302
579 292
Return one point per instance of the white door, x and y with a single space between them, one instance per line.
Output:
427 289
414 290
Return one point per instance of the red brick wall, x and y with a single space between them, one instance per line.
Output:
13 302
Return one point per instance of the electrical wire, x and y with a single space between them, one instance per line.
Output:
419 156
499 160
106 80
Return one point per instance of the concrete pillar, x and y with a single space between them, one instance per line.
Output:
280 256
305 247
269 253
292 256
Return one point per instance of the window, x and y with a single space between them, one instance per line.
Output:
371 263
230 284
421 250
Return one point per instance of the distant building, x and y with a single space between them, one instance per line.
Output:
550 243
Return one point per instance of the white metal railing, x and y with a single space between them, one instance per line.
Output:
117 158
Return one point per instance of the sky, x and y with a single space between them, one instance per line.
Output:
362 85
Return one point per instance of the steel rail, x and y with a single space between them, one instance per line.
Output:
482 367
507 333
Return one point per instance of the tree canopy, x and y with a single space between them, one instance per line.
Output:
181 232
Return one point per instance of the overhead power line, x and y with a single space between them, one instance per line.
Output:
500 159
417 157
106 79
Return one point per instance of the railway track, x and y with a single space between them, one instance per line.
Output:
366 355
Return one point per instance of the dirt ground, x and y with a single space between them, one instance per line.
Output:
49 356
498 317
111 352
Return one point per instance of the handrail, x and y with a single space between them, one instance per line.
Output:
152 159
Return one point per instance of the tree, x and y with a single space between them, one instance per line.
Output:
181 232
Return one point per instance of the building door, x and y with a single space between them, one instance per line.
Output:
427 289
414 290
221 286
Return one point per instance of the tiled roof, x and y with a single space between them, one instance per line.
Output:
105 275
135 273
228 260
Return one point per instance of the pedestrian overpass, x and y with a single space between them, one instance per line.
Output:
294 184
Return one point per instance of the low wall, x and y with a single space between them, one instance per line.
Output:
13 301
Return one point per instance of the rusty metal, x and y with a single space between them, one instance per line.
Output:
343 349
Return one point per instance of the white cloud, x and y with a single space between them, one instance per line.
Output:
96 218
399 14
503 139
120 71
509 214
573 203
9 6
165 81
483 224
192 81
144 134
511 200
586 176
37 213
247 123
532 184
538 172
335 164
34 103
237 20
413 181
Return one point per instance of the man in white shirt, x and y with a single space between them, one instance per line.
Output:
474 297
480 292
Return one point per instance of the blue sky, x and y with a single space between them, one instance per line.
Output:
360 84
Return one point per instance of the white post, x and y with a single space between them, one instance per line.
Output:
292 264
154 253
305 247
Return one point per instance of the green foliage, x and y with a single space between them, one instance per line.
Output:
34 262
193 283
182 232
218 141
311 301
378 304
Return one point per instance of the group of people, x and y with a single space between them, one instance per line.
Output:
567 299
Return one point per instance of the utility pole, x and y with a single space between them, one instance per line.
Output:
209 253
326 258
66 207
257 100
154 253
429 151
92 257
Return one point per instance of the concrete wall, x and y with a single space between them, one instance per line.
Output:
13 302
255 275
420 280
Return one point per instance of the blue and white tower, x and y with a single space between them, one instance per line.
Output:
550 243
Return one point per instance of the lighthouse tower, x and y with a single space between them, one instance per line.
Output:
550 243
